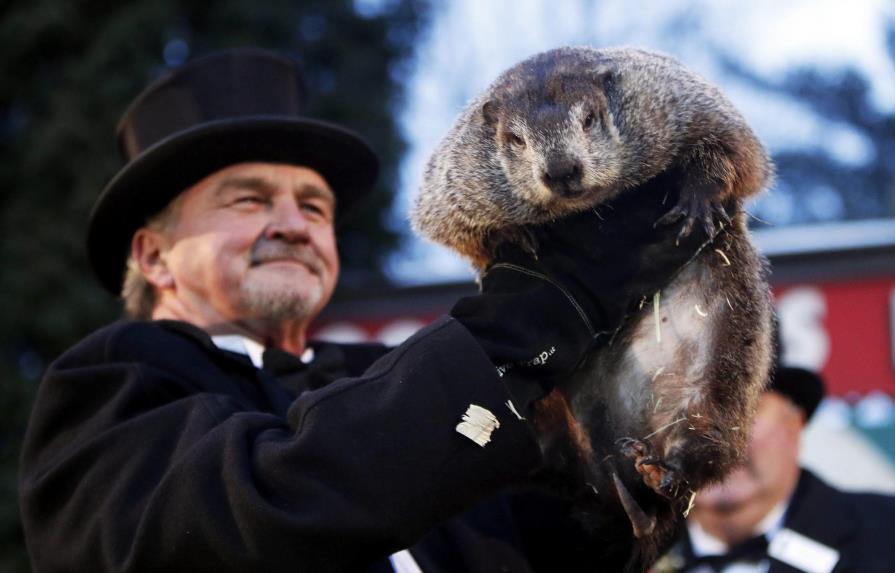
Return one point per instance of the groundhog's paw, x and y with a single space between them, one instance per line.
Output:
645 460
715 211
633 448
695 209
662 476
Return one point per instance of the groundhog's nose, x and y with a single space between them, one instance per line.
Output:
563 177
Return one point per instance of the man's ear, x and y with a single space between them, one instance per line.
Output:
147 249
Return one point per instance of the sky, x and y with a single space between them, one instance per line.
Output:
471 41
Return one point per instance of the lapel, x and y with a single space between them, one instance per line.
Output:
252 380
328 365
203 339
821 513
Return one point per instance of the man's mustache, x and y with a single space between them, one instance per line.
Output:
265 250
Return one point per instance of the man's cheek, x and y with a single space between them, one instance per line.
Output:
761 438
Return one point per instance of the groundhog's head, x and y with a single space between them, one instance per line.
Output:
555 132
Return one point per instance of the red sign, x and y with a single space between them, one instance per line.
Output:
844 330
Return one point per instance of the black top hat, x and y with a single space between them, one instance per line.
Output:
804 388
229 107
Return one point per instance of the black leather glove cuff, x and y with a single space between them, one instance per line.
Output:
530 326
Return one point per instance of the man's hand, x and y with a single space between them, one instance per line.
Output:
539 313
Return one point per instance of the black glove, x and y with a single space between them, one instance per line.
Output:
538 315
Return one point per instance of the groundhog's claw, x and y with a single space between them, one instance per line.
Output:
641 523
715 210
632 448
660 475
693 208
673 216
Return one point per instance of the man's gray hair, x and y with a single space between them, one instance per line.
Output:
138 293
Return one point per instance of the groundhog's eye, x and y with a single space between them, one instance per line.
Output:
515 139
589 121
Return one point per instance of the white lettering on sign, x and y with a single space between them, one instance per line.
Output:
806 342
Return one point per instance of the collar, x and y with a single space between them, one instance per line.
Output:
821 512
244 345
704 543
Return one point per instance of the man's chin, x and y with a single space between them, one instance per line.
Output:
282 301
737 489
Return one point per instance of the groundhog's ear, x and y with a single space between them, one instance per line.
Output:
489 112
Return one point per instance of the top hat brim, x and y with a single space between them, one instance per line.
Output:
802 387
148 183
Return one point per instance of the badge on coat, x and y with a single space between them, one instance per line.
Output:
802 552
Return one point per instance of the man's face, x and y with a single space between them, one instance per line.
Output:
254 241
772 458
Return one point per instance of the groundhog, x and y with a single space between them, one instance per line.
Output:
572 128
665 407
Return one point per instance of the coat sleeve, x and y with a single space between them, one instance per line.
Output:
126 467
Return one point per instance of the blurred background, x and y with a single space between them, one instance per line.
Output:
815 79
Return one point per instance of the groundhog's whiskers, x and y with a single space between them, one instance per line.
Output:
665 427
759 219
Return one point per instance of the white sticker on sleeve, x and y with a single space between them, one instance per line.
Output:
478 424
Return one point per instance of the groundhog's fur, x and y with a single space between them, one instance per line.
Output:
664 409
573 127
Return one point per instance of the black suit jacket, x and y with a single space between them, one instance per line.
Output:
149 449
860 526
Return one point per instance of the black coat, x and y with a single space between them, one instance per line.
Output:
151 449
860 526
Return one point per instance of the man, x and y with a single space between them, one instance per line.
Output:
771 516
212 436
